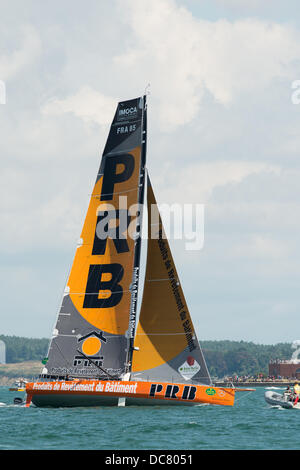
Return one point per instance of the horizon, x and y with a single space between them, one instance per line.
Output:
200 340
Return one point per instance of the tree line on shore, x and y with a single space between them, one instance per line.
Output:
223 357
19 349
242 358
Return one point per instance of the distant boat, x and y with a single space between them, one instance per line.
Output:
20 386
97 355
284 400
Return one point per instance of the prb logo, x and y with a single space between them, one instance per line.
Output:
91 343
90 346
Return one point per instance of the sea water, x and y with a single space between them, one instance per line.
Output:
251 424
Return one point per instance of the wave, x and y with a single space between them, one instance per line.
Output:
275 388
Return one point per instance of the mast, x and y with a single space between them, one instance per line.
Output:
138 241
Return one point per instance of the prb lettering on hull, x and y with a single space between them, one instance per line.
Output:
42 393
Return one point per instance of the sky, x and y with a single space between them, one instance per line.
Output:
223 131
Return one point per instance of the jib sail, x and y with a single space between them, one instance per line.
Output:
91 335
166 343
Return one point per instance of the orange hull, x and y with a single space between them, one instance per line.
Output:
97 392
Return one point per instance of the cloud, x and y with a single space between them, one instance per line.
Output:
184 57
252 4
20 55
89 105
258 246
221 131
200 180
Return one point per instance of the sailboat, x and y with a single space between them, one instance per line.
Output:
101 351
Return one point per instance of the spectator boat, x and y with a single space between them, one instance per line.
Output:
285 400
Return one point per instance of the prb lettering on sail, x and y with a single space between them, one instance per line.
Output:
95 311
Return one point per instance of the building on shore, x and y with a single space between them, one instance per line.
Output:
285 368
